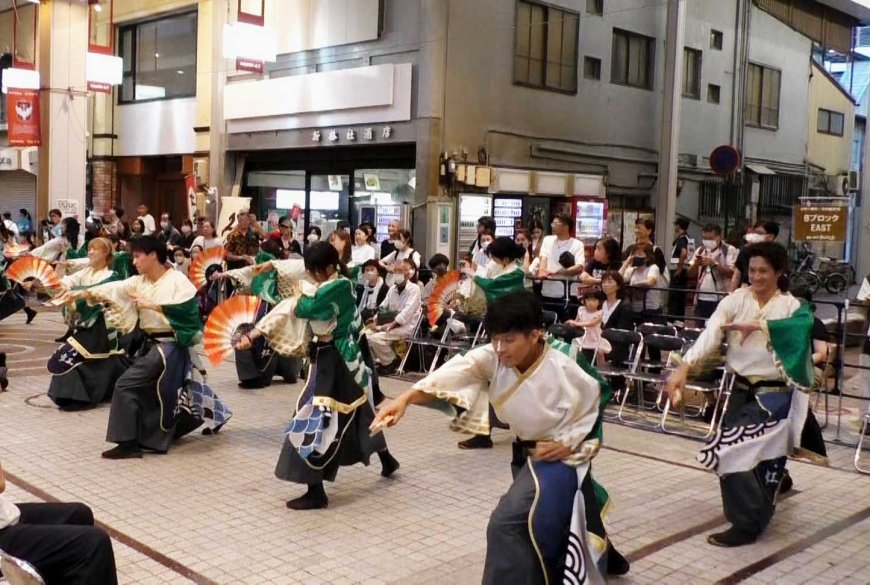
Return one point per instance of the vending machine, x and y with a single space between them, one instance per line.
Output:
590 216
471 208
508 215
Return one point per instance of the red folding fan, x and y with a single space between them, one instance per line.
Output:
442 295
32 267
226 323
201 268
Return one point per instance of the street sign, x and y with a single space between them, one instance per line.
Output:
818 223
724 160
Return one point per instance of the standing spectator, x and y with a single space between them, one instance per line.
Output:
388 246
485 225
404 250
168 235
713 266
187 235
287 244
605 256
762 231
25 222
207 237
54 217
680 256
536 231
313 236
242 243
11 225
644 233
640 271
524 240
147 219
116 223
361 251
561 255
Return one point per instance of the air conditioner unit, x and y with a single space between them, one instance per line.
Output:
842 186
854 180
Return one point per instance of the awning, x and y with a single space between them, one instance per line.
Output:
17 158
760 170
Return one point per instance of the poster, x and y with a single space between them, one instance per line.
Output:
22 107
229 207
190 184
68 207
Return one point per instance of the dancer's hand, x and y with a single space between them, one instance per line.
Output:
264 267
217 276
551 451
142 304
244 342
676 384
745 329
389 415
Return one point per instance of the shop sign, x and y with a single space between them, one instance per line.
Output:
9 159
22 107
816 223
250 65
103 72
333 135
68 207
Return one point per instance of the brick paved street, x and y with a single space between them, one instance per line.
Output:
211 511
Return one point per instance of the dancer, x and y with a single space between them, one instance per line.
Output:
89 361
549 525
768 335
11 299
162 395
334 410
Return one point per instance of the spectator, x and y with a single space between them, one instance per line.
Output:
404 249
439 263
561 256
588 324
59 540
398 316
362 251
640 271
605 256
137 229
388 246
116 224
681 253
187 235
342 226
25 222
373 290
54 217
340 240
313 236
615 314
207 237
11 225
180 261
480 260
485 225
536 231
147 220
242 243
762 231
644 233
524 240
284 239
195 251
713 266
168 235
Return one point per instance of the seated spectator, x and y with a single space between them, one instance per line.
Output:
439 263
361 251
181 262
187 235
373 290
207 237
59 540
397 317
167 234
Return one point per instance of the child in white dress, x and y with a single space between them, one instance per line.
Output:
590 317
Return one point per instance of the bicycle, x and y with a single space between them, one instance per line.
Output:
816 271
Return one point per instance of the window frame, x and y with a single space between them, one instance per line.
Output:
133 26
830 114
250 18
543 85
717 34
651 59
718 90
598 7
699 66
760 124
597 62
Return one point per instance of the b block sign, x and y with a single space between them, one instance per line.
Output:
820 224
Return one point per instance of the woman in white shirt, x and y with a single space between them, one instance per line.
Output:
404 250
207 237
55 249
640 271
361 251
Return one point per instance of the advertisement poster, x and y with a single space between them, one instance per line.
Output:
229 207
22 107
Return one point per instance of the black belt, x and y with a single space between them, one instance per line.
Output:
760 384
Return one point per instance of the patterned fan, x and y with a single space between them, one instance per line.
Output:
13 250
202 267
29 267
444 291
227 322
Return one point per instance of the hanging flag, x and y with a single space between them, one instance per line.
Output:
22 107
190 183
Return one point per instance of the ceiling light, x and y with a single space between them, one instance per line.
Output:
156 55
180 71
98 7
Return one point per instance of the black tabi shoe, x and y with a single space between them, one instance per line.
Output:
207 432
31 314
786 484
389 464
123 451
616 563
389 369
476 442
3 360
731 537
314 499
65 336
290 380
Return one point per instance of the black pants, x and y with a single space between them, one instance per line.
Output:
677 298
61 542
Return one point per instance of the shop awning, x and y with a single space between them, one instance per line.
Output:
760 170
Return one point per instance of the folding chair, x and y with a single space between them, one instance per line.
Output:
18 572
865 423
662 343
622 342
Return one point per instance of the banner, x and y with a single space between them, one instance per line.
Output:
820 223
190 184
229 207
22 113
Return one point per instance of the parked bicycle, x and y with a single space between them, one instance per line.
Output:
817 271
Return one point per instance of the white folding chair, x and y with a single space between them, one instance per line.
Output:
18 572
865 423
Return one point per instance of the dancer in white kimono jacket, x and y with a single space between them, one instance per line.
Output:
162 396
768 335
549 526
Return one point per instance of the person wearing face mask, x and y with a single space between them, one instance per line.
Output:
187 235
168 235
182 262
397 317
485 225
313 236
762 231
404 251
641 271
480 260
372 292
604 257
713 266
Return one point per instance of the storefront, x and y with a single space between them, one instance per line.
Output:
18 180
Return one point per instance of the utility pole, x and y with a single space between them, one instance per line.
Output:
669 139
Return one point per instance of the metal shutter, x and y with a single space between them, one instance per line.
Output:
18 191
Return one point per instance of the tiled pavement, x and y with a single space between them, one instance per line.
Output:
211 510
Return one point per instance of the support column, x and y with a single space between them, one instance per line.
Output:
63 46
862 249
669 140
217 168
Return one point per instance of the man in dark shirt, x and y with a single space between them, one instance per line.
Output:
168 234
679 274
762 231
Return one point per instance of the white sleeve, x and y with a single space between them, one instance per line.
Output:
579 253
198 241
731 257
710 340
864 291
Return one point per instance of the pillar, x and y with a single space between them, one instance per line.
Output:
63 46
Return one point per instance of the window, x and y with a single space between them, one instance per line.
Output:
716 40
159 59
713 93
762 97
591 68
546 47
691 73
830 122
595 7
633 60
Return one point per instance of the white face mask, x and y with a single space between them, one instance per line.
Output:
485 244
185 229
754 238
164 224
313 238
709 244
400 245
399 279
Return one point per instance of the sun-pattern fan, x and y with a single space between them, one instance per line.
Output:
227 322
29 267
443 293
199 270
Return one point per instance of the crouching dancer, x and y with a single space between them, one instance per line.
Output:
548 527
162 396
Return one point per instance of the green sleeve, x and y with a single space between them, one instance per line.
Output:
493 288
122 265
263 257
87 313
185 321
324 305
791 342
265 284
82 252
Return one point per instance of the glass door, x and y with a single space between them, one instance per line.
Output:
328 197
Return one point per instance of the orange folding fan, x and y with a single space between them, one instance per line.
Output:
226 323
443 293
199 270
32 267
13 250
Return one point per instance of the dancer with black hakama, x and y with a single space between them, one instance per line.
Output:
163 395
330 425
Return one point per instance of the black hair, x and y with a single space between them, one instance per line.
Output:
167 214
515 312
188 223
802 291
406 235
321 255
683 222
611 248
770 227
488 223
270 246
776 255
25 213
148 245
374 264
73 228
616 277
536 224
54 212
438 259
564 218
315 230
595 294
119 212
285 218
177 249
647 223
712 228
341 224
7 215
504 247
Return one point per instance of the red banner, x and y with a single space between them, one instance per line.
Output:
22 113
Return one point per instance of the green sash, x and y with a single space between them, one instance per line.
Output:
791 343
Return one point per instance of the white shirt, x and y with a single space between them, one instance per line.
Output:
635 276
709 277
148 223
54 248
408 306
551 249
361 254
205 244
86 277
864 293
398 256
12 227
9 513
